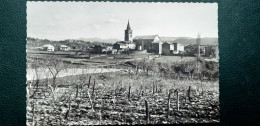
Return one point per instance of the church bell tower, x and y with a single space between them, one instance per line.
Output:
128 33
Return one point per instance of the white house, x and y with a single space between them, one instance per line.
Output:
109 48
124 45
48 47
131 45
64 48
177 48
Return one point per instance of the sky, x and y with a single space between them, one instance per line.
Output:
108 20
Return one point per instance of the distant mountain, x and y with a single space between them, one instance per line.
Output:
187 40
78 43
99 40
212 41
171 38
94 41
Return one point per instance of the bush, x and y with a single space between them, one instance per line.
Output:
209 65
215 75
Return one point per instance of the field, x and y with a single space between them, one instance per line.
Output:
87 59
146 89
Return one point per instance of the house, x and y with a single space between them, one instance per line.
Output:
177 48
208 51
124 45
190 50
48 47
216 51
211 51
144 42
98 48
107 49
203 49
119 45
64 48
156 47
131 45
169 48
114 51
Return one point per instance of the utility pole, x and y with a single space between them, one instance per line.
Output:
198 53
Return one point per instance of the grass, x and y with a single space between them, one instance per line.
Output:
169 59
103 58
96 59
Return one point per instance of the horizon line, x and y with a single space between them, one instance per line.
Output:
110 38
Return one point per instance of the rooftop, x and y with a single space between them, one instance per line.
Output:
63 46
48 45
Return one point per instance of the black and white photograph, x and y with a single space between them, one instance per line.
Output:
122 63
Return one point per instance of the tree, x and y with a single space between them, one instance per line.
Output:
35 66
55 66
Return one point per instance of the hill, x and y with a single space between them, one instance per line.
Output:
99 40
187 40
34 42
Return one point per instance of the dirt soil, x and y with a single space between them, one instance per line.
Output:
110 103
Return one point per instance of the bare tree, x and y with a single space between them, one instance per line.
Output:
35 66
55 66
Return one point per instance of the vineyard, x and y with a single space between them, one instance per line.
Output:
124 97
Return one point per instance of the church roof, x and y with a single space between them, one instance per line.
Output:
128 26
146 37
156 41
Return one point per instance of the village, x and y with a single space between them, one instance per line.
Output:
148 43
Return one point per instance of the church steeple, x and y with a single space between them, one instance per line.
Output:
128 33
128 26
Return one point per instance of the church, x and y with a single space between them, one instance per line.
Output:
128 44
150 43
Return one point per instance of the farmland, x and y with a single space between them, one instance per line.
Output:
139 88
